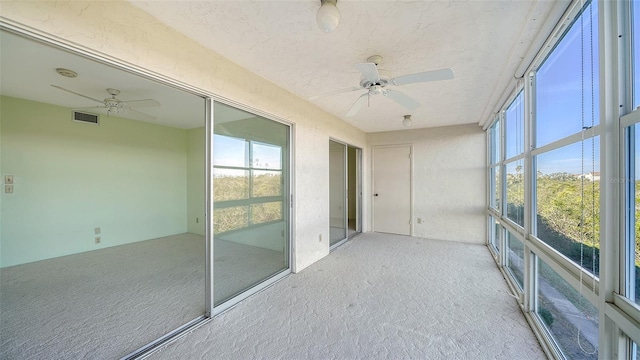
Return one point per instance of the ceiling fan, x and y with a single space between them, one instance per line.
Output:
375 81
113 105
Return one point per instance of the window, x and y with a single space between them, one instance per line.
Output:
567 82
494 169
566 314
494 132
632 173
495 230
515 191
635 35
514 127
515 258
568 201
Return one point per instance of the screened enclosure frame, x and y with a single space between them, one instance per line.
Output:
619 318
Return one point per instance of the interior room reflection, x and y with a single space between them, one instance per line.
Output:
102 241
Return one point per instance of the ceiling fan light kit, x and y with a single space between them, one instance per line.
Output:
328 16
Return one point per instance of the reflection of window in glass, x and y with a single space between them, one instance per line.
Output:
561 84
635 8
515 258
514 127
230 184
568 202
515 191
266 156
495 142
569 317
231 218
236 151
266 212
267 183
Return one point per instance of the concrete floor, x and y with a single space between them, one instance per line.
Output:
378 296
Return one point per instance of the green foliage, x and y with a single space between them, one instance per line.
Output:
250 210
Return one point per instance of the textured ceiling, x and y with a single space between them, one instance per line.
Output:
482 41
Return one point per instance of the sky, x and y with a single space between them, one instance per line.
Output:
571 67
231 151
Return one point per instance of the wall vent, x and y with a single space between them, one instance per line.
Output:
87 118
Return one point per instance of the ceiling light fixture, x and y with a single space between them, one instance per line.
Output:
407 121
328 16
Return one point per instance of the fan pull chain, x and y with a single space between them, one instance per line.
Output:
583 232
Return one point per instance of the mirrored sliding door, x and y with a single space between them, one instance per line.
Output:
102 228
251 200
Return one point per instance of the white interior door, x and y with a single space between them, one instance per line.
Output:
392 189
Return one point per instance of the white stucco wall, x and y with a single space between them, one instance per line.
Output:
127 34
449 186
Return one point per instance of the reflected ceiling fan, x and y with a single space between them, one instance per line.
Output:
375 81
113 105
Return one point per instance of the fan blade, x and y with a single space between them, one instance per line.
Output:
139 115
369 71
433 75
75 93
340 91
357 105
141 103
91 107
402 99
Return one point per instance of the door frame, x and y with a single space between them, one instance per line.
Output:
373 182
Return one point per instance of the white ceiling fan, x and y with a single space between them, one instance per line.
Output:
375 81
113 105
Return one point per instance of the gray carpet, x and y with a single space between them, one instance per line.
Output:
107 303
378 296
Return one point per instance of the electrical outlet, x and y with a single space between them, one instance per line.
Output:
197 220
98 239
97 230
419 221
8 189
8 179
320 238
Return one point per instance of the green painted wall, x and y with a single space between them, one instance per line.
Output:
127 177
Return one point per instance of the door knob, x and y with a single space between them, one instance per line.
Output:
375 194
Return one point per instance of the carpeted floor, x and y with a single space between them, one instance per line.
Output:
378 296
107 303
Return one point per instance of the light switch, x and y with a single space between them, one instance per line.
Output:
8 179
8 189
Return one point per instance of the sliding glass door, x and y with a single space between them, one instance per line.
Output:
344 192
337 192
251 200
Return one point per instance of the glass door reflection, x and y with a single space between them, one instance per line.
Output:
251 214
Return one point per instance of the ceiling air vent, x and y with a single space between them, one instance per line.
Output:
84 117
